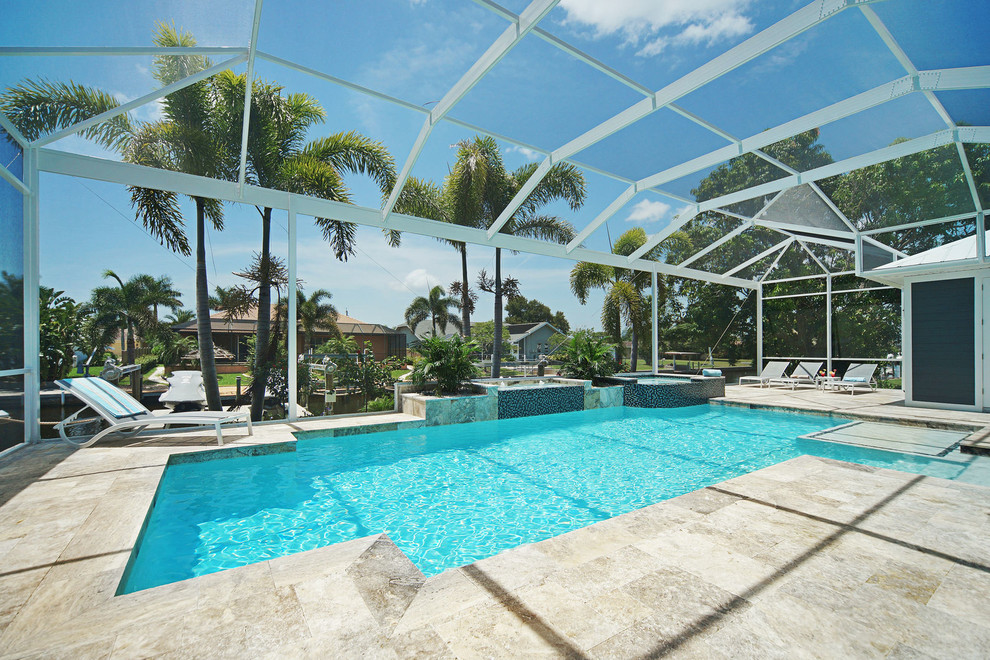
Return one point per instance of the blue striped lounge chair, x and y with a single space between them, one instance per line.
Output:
126 416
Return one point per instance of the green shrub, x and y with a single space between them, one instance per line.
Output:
147 362
446 362
381 404
588 357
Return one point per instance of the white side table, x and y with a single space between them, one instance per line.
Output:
826 382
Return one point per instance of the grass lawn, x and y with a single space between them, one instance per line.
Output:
396 373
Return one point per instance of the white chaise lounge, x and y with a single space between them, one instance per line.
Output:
857 376
804 374
774 369
127 416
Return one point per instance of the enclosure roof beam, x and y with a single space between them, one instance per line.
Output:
138 102
939 79
775 262
783 245
711 246
508 40
771 37
64 51
920 223
12 179
87 167
248 86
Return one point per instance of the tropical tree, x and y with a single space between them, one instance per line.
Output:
446 361
484 189
587 357
123 307
60 331
161 291
315 312
623 288
436 307
193 136
520 309
180 316
279 158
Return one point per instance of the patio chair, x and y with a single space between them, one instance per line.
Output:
774 369
857 376
804 374
128 416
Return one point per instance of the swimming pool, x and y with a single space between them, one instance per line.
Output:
450 495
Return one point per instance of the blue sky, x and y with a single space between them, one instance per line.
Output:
416 49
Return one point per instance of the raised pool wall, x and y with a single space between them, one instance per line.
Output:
694 390
491 401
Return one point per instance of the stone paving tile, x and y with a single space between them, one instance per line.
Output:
387 581
964 594
810 558
442 597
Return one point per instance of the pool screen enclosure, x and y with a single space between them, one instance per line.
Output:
791 206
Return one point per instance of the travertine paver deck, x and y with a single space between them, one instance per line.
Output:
809 558
881 405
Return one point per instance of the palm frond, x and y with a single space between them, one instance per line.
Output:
159 212
356 153
586 276
40 107
544 228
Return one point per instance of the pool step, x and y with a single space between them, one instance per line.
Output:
892 437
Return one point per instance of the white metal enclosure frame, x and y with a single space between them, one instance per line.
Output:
38 157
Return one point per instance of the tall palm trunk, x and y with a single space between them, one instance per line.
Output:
130 342
634 358
262 362
497 348
465 299
204 332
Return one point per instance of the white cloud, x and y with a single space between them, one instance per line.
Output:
648 211
682 22
528 154
418 279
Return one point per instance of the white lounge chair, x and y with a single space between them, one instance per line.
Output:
127 416
774 369
857 376
804 374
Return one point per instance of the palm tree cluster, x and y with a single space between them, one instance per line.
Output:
624 291
476 192
435 307
130 308
200 133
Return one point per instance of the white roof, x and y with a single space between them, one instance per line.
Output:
964 248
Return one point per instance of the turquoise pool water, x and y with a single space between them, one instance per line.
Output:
450 495
662 380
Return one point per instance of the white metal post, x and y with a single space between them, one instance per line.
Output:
981 236
655 325
759 328
32 321
292 320
828 324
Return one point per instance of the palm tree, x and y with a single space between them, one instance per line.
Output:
193 136
279 158
124 307
316 312
476 192
624 291
492 190
161 291
436 307
179 316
